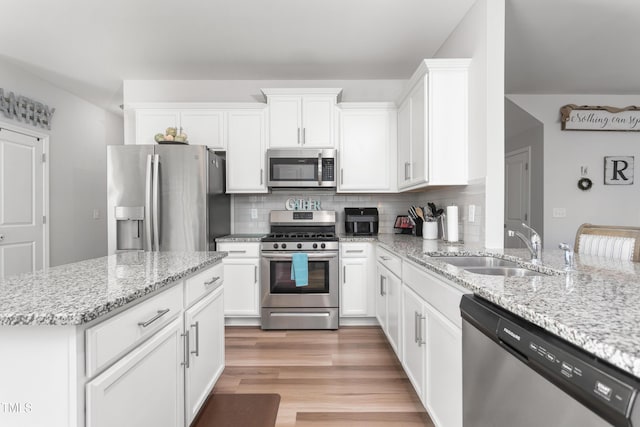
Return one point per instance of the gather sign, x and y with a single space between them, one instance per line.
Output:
585 117
25 109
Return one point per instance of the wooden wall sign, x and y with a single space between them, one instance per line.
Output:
618 170
585 117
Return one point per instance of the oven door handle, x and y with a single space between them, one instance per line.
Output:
312 256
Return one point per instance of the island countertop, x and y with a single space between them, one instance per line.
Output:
77 293
596 307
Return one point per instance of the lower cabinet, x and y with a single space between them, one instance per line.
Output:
241 278
356 277
145 387
432 343
388 306
204 327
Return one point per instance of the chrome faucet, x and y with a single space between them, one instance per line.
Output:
534 243
568 256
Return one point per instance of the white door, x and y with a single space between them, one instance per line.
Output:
22 243
404 144
285 121
154 121
414 339
317 121
382 282
516 190
393 289
245 152
204 127
353 291
241 287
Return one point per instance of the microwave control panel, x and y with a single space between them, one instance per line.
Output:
328 170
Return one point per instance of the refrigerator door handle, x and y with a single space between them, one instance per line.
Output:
147 203
156 202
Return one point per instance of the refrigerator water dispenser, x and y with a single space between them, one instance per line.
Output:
130 228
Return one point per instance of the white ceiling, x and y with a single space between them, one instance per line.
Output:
90 47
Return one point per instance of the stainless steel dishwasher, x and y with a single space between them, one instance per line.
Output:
515 374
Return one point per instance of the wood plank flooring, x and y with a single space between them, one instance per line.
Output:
349 377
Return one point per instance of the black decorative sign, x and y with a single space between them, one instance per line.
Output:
618 170
25 109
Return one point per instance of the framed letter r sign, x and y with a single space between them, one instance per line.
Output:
618 170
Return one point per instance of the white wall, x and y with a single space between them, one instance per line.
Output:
79 134
480 36
566 151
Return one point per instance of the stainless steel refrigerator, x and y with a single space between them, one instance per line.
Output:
165 198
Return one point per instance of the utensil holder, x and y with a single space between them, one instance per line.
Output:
418 228
430 230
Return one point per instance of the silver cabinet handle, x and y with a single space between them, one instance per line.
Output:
186 349
354 251
237 252
154 318
341 176
344 274
415 327
385 258
147 202
211 282
197 350
255 274
382 280
304 136
298 135
420 331
406 167
261 179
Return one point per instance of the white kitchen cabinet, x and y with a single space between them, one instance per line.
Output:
202 126
356 280
302 117
367 147
388 297
122 394
204 322
242 278
246 152
414 341
433 126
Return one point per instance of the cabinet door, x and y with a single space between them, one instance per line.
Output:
245 152
204 127
365 150
285 121
154 121
404 144
317 121
419 165
444 370
241 287
205 323
353 289
144 388
381 298
394 299
413 339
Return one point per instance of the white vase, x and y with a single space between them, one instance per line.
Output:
430 230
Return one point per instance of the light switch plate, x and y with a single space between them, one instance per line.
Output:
559 212
96 213
472 213
254 213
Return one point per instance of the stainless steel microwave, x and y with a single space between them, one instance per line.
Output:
301 168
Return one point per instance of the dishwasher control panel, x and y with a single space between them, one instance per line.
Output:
562 366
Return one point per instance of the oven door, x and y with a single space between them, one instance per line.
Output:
278 290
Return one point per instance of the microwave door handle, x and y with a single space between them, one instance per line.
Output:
156 202
147 202
319 169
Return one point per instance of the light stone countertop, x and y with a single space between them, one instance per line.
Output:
596 307
240 238
77 293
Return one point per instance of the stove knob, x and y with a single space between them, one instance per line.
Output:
315 246
323 246
299 245
275 246
284 246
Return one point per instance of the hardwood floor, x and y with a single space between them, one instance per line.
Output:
349 377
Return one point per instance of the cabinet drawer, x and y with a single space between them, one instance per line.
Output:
203 282
354 250
240 250
391 261
112 338
440 294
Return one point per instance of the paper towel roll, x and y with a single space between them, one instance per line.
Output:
452 223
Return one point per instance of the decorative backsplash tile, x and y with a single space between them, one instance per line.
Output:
389 206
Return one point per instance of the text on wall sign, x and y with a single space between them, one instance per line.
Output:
25 109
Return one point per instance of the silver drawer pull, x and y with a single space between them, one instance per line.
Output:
211 282
385 258
237 252
154 318
350 251
197 350
186 349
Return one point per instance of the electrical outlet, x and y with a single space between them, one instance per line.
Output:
254 213
559 212
96 213
472 213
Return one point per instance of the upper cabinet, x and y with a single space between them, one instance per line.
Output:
202 126
433 126
246 152
303 118
367 147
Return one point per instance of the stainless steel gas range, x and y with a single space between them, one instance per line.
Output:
285 305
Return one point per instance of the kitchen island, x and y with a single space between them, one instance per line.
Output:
79 340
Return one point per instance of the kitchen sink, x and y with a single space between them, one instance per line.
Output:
504 271
476 261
